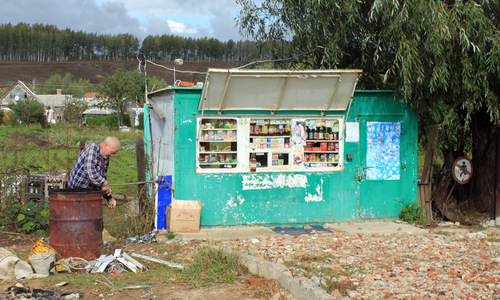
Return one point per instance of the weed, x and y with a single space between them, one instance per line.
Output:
307 269
332 283
441 232
412 214
31 219
170 236
210 265
317 258
494 240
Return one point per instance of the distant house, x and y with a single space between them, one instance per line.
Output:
19 91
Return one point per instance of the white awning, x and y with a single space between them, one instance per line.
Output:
275 90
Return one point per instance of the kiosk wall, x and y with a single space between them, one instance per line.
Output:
289 166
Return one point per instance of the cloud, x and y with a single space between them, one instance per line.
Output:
190 18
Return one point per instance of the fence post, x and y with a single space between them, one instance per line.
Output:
141 173
82 146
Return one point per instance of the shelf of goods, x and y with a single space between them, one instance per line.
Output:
217 144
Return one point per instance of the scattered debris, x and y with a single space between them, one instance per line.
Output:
145 239
299 230
60 284
448 223
20 291
160 261
12 267
106 237
133 287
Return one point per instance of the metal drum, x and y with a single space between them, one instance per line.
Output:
76 222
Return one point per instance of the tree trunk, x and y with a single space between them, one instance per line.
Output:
484 167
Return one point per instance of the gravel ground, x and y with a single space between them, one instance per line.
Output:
451 263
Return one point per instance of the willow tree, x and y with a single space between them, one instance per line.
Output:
442 56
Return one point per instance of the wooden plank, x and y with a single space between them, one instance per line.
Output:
157 109
140 156
426 200
429 154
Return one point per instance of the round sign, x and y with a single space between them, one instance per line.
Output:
462 170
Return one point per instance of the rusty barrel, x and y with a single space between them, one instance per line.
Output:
76 222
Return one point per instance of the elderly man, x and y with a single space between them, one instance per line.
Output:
91 167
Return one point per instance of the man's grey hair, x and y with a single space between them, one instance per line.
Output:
112 142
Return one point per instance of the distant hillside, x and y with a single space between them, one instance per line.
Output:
37 73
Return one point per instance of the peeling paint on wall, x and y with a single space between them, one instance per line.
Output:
231 211
261 182
319 194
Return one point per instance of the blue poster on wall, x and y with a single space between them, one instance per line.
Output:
383 150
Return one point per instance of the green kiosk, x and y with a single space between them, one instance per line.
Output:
268 147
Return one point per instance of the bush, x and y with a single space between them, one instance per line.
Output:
1 116
110 121
412 214
29 111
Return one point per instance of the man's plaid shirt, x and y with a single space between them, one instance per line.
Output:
90 170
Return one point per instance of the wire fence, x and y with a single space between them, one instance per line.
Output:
30 167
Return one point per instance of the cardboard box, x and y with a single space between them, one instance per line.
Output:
183 216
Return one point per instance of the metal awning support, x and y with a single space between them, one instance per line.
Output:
334 93
282 93
223 96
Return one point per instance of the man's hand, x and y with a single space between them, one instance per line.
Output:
106 189
111 203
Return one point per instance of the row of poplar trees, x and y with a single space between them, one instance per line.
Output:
47 43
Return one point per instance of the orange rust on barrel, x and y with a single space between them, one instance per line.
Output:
76 222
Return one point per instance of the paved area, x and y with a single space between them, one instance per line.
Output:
371 260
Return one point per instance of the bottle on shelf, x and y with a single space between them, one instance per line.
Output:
253 163
310 133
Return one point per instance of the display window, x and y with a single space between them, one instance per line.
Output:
269 144
217 144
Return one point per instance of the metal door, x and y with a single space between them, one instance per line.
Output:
383 167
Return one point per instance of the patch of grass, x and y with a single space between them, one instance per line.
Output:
170 236
331 279
307 270
494 240
441 232
210 266
104 283
310 258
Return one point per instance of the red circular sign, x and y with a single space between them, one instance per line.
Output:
462 170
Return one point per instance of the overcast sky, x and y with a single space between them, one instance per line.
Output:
188 18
